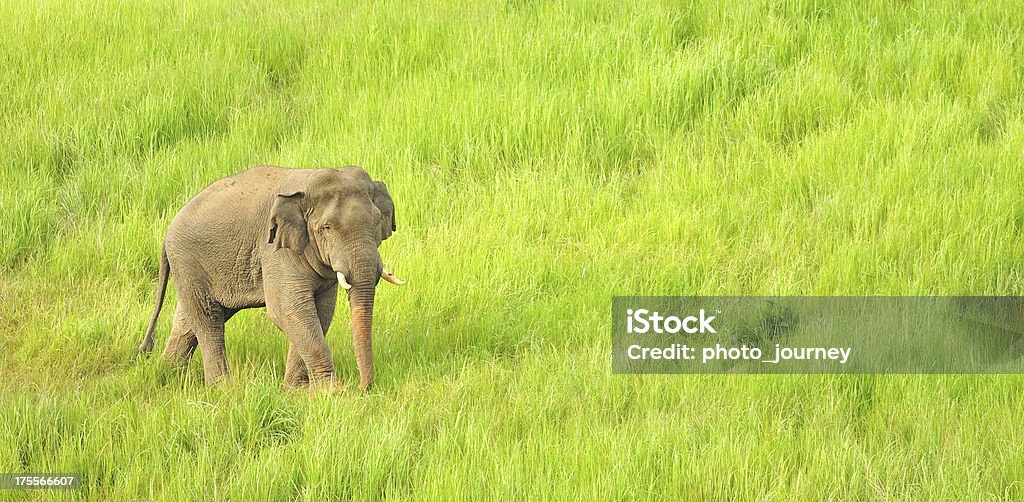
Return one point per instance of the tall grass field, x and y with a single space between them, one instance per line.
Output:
543 157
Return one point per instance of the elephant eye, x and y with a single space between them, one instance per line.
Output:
325 228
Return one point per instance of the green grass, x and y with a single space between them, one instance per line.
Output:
543 157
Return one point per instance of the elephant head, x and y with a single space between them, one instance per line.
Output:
337 219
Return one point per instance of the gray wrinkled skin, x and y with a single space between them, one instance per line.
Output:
276 237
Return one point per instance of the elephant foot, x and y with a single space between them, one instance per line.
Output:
296 376
295 383
331 388
213 379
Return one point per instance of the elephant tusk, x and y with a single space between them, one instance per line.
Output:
390 278
341 280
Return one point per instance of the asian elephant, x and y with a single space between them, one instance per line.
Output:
284 239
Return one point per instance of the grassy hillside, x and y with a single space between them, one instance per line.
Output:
543 157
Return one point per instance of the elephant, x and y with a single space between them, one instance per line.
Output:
284 239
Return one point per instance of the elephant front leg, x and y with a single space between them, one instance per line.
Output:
295 314
295 372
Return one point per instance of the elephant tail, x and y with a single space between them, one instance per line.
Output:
165 272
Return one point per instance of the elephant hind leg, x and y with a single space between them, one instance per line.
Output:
211 344
204 320
182 342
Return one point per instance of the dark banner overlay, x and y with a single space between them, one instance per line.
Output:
819 334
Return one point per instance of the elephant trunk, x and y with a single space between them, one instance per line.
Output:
363 282
361 302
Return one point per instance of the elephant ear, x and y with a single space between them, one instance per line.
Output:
287 227
382 199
